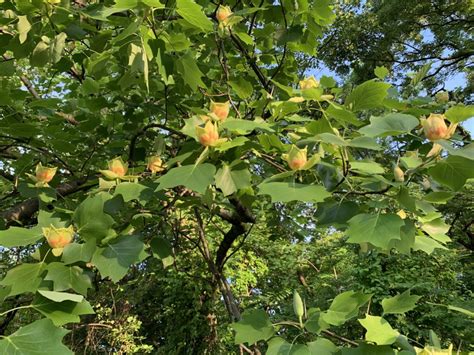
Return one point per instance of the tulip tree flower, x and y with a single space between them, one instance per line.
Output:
297 159
220 110
155 164
223 13
435 127
209 135
58 238
309 83
117 170
442 97
43 175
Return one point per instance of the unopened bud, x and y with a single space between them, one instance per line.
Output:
398 174
442 97
435 127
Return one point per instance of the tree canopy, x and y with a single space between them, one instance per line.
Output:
172 183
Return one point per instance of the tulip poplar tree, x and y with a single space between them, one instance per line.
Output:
132 128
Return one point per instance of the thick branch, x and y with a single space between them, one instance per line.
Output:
243 215
26 209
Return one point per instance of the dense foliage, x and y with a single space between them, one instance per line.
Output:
172 183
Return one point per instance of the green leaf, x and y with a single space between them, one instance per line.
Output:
400 303
366 167
231 179
279 346
369 349
194 177
453 171
461 310
7 68
392 124
19 237
437 230
365 142
60 296
61 313
23 27
57 47
245 126
426 244
420 75
193 14
367 95
23 278
315 322
90 218
254 326
115 260
39 338
40 55
378 229
440 197
286 192
190 71
163 250
134 191
341 114
75 252
381 72
379 330
242 87
68 277
322 346
344 307
460 113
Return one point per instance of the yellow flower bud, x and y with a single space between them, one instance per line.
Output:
435 127
327 97
209 135
297 158
155 164
309 83
442 97
398 174
402 214
223 13
220 109
44 174
58 238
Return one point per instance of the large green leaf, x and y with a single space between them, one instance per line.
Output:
460 113
60 296
378 229
39 338
231 179
322 346
18 237
400 303
190 72
390 125
68 277
193 14
426 244
134 191
194 177
379 330
91 219
453 171
367 95
279 346
345 306
254 326
75 252
245 126
23 278
115 260
61 313
286 192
